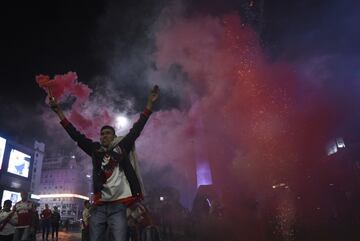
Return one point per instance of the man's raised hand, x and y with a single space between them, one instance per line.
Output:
153 96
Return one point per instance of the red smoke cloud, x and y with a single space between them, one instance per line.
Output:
245 115
256 123
242 102
67 85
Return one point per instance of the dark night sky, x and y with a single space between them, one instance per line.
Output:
55 37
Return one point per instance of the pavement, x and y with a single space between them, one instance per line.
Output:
63 236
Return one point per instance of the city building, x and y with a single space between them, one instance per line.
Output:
64 184
39 154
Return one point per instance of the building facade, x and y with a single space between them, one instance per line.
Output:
64 184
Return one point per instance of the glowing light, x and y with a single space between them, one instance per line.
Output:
73 157
161 198
203 173
333 146
280 185
63 195
2 149
33 196
88 175
122 122
340 142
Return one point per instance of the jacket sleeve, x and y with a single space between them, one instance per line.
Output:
129 140
83 142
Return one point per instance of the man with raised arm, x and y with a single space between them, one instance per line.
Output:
116 182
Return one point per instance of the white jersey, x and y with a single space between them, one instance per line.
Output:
9 228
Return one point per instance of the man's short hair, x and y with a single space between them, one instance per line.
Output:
8 202
108 127
86 202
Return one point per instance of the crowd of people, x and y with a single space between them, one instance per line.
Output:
21 221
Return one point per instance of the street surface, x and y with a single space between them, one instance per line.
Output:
63 236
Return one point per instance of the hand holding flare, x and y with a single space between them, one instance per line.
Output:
45 82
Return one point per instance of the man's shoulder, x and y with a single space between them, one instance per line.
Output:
23 203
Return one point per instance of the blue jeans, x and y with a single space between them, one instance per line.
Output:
22 234
111 216
45 228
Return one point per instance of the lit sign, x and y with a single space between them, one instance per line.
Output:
8 195
19 163
2 150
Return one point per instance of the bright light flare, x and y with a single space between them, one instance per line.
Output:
122 122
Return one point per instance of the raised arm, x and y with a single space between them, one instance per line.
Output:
134 133
86 144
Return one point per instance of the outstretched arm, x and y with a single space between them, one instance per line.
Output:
83 142
56 108
134 133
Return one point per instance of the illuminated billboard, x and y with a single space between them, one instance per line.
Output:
2 150
8 195
19 163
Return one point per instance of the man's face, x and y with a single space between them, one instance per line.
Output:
106 137
24 196
46 206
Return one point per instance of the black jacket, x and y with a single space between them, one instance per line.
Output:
126 144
